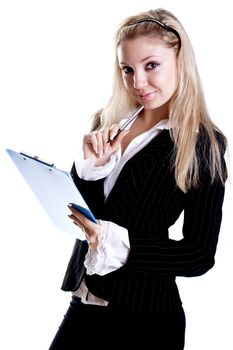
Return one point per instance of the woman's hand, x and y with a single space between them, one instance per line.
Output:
90 228
97 147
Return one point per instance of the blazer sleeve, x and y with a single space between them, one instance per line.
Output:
194 254
92 191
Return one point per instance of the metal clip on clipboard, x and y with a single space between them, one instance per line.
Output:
37 159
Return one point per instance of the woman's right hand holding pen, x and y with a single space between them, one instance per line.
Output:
97 144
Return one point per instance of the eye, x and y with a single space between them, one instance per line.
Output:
127 69
152 65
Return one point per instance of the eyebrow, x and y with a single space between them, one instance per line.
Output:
144 59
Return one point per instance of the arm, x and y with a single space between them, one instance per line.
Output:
87 188
99 159
194 254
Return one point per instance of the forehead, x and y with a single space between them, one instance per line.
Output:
141 47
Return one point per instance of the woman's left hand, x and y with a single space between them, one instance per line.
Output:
90 228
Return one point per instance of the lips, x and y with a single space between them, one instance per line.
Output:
147 96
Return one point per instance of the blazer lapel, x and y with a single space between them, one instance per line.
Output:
134 174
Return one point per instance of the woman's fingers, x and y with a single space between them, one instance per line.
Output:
97 145
98 141
91 139
105 141
100 144
76 221
113 131
117 141
90 229
82 220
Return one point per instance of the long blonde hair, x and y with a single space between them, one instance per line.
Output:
187 113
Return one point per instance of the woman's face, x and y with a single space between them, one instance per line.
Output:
149 70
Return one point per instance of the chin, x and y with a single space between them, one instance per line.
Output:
152 105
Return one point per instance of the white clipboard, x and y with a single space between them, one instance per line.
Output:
54 188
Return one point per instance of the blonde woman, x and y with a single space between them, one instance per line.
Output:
138 176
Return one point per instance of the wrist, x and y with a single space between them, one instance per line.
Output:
93 243
93 239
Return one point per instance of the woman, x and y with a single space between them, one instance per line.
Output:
168 160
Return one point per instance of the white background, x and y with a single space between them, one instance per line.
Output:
56 68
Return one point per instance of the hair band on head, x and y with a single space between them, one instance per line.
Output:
164 26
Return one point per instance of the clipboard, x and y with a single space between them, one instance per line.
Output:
54 188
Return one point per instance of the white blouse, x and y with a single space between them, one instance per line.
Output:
113 248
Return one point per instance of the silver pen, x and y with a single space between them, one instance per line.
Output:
134 115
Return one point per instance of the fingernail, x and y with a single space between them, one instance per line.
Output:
112 136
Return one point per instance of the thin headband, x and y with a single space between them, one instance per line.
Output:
164 26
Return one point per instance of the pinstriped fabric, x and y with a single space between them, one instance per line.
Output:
146 200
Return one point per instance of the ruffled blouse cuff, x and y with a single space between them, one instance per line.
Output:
87 170
112 251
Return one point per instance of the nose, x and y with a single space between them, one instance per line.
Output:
140 80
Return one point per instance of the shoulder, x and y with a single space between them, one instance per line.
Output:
210 152
210 140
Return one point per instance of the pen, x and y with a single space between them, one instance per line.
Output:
134 115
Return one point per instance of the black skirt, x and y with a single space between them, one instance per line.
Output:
105 327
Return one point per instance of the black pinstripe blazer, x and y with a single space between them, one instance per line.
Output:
146 201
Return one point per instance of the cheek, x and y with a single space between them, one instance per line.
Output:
127 82
173 81
167 81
